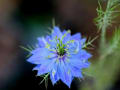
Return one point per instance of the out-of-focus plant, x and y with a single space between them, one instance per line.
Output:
104 72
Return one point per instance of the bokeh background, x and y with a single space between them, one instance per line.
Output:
22 21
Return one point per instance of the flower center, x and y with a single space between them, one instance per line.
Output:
61 48
61 52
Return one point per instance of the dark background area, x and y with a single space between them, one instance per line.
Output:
22 21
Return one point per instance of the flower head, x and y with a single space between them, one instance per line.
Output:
61 55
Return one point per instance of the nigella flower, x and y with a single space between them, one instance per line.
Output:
61 55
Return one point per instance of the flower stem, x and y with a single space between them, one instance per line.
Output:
103 38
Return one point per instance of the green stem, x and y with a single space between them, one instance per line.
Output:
103 33
103 38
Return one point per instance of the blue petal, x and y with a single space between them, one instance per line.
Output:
64 74
37 50
86 64
45 68
67 37
77 63
41 41
64 32
54 75
80 60
74 47
76 72
75 68
84 55
82 41
48 38
37 67
53 44
56 32
76 36
40 55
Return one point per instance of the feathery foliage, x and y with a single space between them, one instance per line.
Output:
104 72
106 18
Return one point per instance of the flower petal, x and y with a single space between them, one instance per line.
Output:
80 60
45 68
54 75
82 41
76 72
41 41
67 37
56 32
74 47
84 55
37 67
76 36
65 74
81 55
40 55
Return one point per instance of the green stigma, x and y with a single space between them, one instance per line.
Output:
61 48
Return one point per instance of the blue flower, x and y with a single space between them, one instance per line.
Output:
61 55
